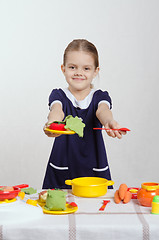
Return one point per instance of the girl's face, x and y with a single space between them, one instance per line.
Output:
79 70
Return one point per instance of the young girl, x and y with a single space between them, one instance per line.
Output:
73 156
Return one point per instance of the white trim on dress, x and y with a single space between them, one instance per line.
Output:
83 104
100 169
58 168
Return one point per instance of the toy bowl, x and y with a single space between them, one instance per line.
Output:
89 186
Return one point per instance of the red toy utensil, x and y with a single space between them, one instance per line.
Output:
105 202
118 129
22 186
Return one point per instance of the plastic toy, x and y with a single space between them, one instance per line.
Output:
122 194
89 186
21 195
118 129
32 202
105 202
57 126
11 194
70 125
122 191
155 205
134 192
147 192
69 209
59 131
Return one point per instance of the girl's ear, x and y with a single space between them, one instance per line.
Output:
63 68
96 71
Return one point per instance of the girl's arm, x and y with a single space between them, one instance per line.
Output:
56 114
105 116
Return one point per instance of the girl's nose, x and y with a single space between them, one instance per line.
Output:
78 72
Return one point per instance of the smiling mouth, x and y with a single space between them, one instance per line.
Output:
78 79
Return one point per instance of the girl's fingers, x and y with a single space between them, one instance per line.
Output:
50 134
114 134
118 134
110 133
123 132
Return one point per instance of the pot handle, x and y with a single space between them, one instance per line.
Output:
68 182
109 183
22 186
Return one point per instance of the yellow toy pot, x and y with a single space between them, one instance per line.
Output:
89 186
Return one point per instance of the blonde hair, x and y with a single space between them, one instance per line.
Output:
82 45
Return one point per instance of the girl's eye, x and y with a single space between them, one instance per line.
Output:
72 67
87 69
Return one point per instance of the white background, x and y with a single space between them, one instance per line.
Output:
33 36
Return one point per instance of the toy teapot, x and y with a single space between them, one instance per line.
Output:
147 192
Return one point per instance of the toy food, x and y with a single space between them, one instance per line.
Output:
116 197
122 191
70 123
43 196
32 202
127 197
6 189
56 200
29 190
21 195
57 126
122 194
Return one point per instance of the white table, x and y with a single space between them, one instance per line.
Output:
117 221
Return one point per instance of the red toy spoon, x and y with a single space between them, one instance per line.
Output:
105 202
118 129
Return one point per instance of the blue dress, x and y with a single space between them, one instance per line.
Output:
73 156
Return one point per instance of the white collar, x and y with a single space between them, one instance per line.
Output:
83 104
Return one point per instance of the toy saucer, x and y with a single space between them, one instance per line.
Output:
59 132
69 209
8 200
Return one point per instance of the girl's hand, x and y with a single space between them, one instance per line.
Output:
50 134
114 133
